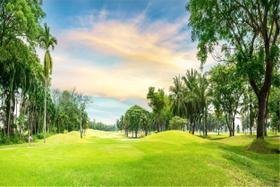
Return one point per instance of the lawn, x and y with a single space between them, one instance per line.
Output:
167 158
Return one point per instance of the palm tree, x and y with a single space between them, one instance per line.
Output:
190 81
203 95
47 41
178 99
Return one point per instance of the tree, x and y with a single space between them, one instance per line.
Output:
137 119
189 98
226 90
101 126
193 105
24 82
248 108
203 96
157 102
120 123
177 123
19 30
82 101
178 97
47 41
249 34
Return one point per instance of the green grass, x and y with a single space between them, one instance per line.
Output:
168 158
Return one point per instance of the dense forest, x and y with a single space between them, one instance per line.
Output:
27 104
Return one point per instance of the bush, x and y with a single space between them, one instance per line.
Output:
14 139
177 123
39 136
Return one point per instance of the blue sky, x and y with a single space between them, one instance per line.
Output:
113 50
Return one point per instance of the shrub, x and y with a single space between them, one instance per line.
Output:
177 123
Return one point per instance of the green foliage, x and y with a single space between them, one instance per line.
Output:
102 126
47 41
136 119
70 111
177 123
178 97
160 104
156 99
226 89
274 108
22 80
248 34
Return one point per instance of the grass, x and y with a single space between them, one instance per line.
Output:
163 159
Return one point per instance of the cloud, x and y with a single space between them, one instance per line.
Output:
149 52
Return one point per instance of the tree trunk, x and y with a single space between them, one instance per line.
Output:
45 111
158 127
205 123
126 132
231 132
9 115
193 127
264 91
233 125
261 117
81 129
229 125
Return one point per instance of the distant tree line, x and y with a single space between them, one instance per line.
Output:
202 102
102 126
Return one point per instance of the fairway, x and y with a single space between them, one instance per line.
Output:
167 158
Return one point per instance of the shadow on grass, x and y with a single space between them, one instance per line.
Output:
264 167
213 138
262 146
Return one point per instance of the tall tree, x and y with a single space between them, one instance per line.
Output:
47 42
248 108
178 98
226 90
157 102
249 32
82 101
19 30
194 109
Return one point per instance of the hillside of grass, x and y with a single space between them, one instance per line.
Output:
167 158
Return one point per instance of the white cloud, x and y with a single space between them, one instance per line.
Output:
148 51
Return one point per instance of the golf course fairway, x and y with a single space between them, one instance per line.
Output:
171 158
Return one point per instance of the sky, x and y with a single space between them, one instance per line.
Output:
114 50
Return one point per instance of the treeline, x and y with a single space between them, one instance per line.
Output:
102 126
27 105
203 102
244 37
